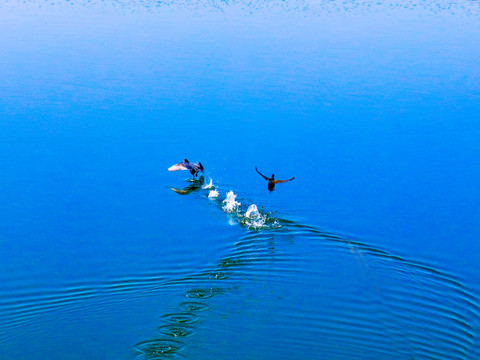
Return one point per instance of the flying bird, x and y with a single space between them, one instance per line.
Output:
272 181
187 165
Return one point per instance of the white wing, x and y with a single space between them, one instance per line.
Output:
177 167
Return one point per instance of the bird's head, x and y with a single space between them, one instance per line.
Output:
185 160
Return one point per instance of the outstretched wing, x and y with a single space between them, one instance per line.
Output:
196 166
282 181
180 166
266 178
200 167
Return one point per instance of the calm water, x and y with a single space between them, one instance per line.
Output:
372 252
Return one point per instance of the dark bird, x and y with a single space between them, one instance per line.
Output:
272 181
187 165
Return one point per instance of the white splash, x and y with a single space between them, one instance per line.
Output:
252 212
213 194
253 218
230 202
209 186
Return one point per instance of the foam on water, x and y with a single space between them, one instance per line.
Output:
209 185
252 211
230 203
253 218
213 194
248 215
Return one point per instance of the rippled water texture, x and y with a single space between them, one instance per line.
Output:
371 252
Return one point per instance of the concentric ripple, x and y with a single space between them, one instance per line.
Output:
180 318
158 349
194 306
177 330
203 293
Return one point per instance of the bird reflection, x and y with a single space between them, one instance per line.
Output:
196 184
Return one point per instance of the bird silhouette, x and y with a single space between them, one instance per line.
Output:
272 181
187 165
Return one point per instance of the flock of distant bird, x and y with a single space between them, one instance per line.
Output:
197 167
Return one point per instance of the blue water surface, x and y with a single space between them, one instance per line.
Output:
371 252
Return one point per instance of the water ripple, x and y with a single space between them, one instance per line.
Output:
180 318
158 349
428 306
177 331
421 311
194 306
203 293
253 7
